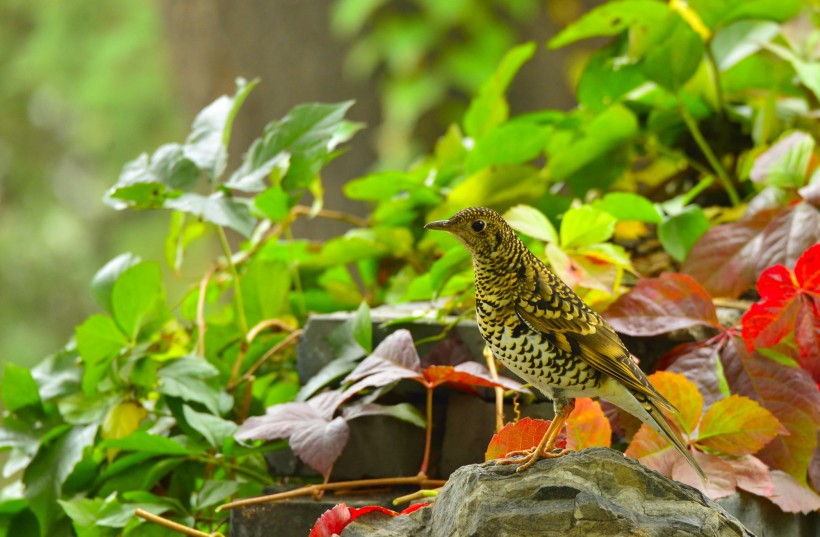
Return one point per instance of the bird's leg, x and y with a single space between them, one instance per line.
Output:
544 449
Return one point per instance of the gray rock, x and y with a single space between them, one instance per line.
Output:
595 492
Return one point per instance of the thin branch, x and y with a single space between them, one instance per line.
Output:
304 210
171 525
240 303
428 433
714 162
266 324
290 339
418 495
310 490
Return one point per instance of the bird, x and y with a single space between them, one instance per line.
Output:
537 326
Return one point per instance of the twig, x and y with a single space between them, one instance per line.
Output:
240 302
304 210
428 433
499 391
171 525
264 325
290 339
732 303
310 490
200 311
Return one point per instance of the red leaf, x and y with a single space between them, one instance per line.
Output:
393 359
791 496
722 259
788 305
465 376
587 426
788 393
332 522
807 335
519 435
659 305
697 361
722 479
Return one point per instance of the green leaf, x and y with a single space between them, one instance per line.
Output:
145 442
180 235
584 226
382 186
786 163
721 13
103 281
599 138
674 54
611 19
99 341
137 296
265 288
353 338
145 182
737 426
185 378
401 411
207 145
50 468
274 204
680 232
498 186
217 209
309 133
453 261
510 143
215 492
740 40
88 513
606 79
807 71
213 428
18 387
629 206
489 108
530 221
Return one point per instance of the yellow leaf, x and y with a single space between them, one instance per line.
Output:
691 17
122 420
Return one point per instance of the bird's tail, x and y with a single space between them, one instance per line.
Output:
665 428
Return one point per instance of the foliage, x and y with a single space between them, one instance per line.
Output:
335 519
694 142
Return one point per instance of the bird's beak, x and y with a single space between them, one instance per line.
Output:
442 225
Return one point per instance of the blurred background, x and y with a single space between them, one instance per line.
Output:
88 85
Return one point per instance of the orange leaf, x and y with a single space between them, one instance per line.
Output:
653 450
587 426
737 426
683 394
519 435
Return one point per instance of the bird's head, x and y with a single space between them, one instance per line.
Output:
482 231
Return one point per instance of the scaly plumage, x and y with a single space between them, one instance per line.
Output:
541 330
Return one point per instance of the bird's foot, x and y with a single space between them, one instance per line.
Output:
530 457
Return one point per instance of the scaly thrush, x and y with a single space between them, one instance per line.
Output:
541 330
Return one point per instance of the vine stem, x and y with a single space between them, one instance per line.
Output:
202 326
311 490
240 303
499 391
721 172
428 436
171 525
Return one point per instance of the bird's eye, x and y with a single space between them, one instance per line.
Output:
478 226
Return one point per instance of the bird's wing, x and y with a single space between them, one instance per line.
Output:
546 304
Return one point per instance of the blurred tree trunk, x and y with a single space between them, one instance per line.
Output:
288 45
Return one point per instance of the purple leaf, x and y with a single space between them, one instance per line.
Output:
320 443
659 305
394 359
